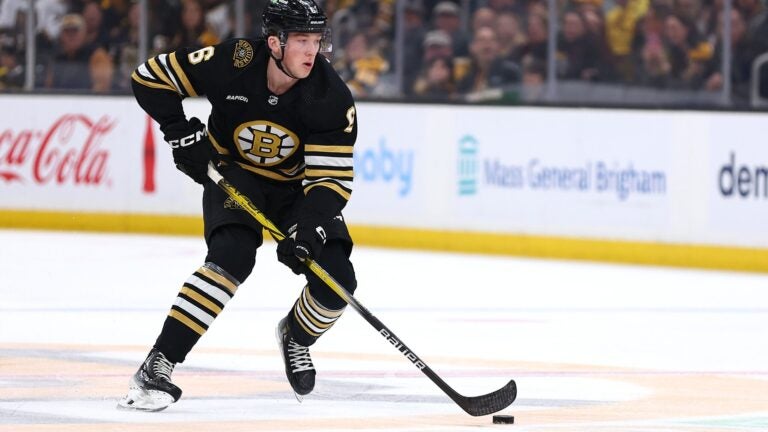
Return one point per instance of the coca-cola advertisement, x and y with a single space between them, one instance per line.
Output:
70 150
88 154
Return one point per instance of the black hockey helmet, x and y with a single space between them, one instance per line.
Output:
295 16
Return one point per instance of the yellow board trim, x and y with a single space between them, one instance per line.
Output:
186 321
102 222
664 254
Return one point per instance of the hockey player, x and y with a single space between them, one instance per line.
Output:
281 128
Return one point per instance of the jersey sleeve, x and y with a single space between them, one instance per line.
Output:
161 82
329 147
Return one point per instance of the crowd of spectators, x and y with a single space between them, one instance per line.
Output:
450 49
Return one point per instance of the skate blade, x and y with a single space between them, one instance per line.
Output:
141 400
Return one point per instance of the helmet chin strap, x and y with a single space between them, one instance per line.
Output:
279 61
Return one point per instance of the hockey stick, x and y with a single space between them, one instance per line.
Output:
473 405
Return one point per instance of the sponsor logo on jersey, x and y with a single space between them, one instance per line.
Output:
243 54
264 143
240 98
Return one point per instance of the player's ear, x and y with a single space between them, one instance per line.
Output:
273 42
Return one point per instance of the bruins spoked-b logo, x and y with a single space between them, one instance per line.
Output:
243 53
265 143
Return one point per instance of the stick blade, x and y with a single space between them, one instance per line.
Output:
491 402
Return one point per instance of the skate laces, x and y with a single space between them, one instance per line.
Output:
299 357
162 367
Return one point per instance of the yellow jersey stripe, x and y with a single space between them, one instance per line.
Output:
146 83
328 148
202 301
269 174
329 173
159 72
219 279
182 76
186 321
299 320
327 313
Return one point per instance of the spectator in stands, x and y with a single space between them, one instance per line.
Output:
620 24
413 46
437 43
654 68
69 68
510 34
483 17
537 37
102 71
486 69
125 48
688 54
194 32
436 81
578 53
692 11
595 26
360 65
96 33
650 29
447 17
754 13
11 69
741 61
499 6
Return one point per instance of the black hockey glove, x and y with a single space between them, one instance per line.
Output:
306 242
192 150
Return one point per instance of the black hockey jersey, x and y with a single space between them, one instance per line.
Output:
306 134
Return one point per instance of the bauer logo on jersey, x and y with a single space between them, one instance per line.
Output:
243 54
265 143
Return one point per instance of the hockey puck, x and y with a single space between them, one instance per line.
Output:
503 419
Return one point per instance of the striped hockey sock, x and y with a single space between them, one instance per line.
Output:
313 319
201 299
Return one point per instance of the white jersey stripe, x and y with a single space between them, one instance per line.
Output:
194 311
344 183
307 322
212 290
330 161
163 58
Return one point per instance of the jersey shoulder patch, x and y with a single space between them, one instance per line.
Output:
243 53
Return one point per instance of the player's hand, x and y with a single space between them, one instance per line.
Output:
191 148
306 242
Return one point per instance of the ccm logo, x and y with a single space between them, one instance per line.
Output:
188 140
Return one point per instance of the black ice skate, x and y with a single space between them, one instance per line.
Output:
150 388
298 363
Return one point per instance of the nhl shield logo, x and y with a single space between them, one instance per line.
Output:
243 54
272 100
